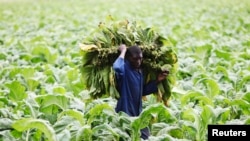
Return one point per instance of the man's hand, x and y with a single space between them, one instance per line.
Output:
122 49
162 76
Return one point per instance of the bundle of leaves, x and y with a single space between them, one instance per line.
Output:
100 49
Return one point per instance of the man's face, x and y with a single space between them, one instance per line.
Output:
135 60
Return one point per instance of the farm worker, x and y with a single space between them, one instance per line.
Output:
130 84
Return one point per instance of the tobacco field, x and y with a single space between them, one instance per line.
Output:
43 95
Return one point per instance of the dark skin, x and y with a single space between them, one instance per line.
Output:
135 60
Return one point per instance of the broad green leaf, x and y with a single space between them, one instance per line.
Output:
243 82
221 115
166 116
175 132
247 121
190 97
13 72
4 100
160 129
59 90
49 100
77 104
203 53
73 75
164 137
27 72
242 105
8 136
33 108
65 135
206 100
73 113
157 127
97 110
147 115
17 91
212 88
188 115
65 122
5 123
219 70
107 129
222 54
2 56
5 113
84 133
32 84
207 115
29 123
189 129
44 52
246 97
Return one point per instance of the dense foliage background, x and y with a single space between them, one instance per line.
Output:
42 96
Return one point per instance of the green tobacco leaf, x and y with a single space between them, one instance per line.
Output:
9 136
242 84
73 113
165 116
107 129
65 135
221 114
243 105
246 97
189 128
2 55
4 100
5 123
17 91
28 72
77 103
212 87
72 75
29 123
203 53
146 116
32 84
14 71
159 129
84 133
222 54
240 102
247 121
190 97
222 71
59 90
45 53
175 132
32 107
65 123
207 115
46 101
188 115
97 110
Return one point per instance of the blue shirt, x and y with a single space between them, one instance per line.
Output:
131 87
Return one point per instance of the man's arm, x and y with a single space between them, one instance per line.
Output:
151 87
118 65
122 49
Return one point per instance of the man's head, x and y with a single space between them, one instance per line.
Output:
134 56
